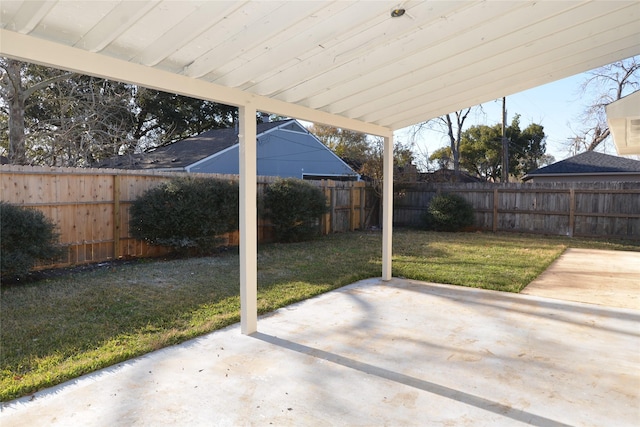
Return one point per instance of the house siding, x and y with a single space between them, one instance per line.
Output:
282 153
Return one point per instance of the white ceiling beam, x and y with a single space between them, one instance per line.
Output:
469 96
30 14
520 59
117 21
482 43
31 49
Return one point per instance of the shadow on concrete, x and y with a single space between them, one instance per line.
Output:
447 392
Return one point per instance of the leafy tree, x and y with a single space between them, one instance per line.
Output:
163 118
608 84
351 146
366 154
52 117
481 149
442 156
404 171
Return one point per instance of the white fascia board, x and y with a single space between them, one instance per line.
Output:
39 51
212 156
627 106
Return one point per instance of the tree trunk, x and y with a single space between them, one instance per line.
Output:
17 150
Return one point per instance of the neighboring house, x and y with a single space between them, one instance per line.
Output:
589 166
284 148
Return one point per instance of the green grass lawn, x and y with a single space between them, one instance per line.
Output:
60 328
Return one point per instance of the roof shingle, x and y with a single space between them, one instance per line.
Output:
590 162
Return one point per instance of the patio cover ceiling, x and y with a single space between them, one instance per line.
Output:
348 63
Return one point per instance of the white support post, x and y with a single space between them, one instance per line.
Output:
387 207
248 222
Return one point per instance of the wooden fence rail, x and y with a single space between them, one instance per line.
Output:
572 209
91 207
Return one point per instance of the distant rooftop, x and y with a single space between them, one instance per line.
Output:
186 151
589 162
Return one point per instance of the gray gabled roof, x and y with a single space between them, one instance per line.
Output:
589 162
185 152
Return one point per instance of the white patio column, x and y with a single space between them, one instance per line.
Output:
387 207
248 222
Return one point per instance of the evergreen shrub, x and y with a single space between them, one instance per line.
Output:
26 236
186 213
294 208
448 212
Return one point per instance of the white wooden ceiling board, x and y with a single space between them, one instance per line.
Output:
29 14
10 15
343 49
464 96
62 24
473 45
116 22
523 62
237 22
315 35
486 59
253 35
282 47
133 42
415 44
184 32
280 75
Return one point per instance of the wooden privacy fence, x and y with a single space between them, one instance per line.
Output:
91 207
610 209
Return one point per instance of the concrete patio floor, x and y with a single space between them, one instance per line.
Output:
610 278
376 353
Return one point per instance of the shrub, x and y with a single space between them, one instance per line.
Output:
294 208
26 236
186 213
448 212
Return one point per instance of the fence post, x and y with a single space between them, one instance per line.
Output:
333 209
352 210
572 211
326 218
495 209
362 208
116 216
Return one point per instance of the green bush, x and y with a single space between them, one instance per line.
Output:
448 212
26 236
294 208
186 213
